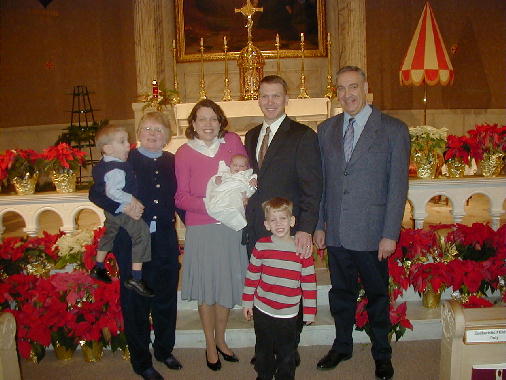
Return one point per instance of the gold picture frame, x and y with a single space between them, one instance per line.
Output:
212 20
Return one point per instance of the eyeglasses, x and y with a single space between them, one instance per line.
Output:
152 129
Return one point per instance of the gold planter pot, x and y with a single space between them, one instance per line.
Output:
63 353
426 164
431 299
456 168
26 185
92 351
65 182
491 164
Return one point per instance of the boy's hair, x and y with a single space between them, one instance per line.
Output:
105 135
277 204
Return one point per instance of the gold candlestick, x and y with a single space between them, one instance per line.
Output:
175 99
331 90
226 92
202 92
302 87
278 71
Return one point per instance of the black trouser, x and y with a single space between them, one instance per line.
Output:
274 348
161 274
345 266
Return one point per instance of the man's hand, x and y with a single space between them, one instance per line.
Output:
319 239
134 209
386 248
253 182
247 312
303 244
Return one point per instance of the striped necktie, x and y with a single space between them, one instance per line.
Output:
348 139
264 146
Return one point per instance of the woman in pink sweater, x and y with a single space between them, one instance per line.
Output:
215 261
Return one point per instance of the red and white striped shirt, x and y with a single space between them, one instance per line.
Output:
278 278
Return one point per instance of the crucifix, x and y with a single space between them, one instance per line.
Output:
248 10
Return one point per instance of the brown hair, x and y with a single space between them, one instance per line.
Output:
274 79
105 135
190 132
277 204
355 69
157 117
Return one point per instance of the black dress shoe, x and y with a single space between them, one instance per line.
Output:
384 369
331 360
100 274
151 374
226 357
172 363
253 360
216 366
139 287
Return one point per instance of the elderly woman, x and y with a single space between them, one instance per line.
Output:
154 170
214 261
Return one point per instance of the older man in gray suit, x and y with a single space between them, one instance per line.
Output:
365 157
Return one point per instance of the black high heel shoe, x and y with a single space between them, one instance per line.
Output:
216 366
226 357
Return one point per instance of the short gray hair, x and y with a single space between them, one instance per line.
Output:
355 69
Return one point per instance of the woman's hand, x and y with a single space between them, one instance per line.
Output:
134 209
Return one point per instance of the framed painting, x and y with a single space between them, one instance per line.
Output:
213 20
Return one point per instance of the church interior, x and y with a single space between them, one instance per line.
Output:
78 63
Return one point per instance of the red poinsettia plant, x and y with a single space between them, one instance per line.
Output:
459 147
19 163
487 139
481 261
61 157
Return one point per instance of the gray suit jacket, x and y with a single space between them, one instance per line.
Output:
363 200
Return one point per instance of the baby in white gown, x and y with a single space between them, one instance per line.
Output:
227 190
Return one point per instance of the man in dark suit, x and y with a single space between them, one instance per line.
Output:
365 157
286 158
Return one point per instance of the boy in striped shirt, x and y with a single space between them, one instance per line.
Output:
276 282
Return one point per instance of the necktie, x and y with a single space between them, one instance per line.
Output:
264 146
348 139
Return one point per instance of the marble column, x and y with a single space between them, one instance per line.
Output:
351 27
153 34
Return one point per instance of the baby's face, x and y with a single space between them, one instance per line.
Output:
238 164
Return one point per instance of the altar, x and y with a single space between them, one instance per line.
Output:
307 111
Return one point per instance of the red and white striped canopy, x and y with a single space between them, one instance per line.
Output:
426 60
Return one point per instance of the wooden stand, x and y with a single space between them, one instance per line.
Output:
471 337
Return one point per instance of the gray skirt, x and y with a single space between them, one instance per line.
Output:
214 265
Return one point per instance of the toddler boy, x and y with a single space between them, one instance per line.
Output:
114 177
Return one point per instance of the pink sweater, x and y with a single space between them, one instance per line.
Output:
193 171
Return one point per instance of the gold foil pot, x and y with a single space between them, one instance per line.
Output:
456 168
491 164
63 353
65 181
431 299
92 351
426 164
26 185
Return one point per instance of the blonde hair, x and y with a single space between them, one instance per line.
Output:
157 117
105 135
277 204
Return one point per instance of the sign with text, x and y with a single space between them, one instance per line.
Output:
490 335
